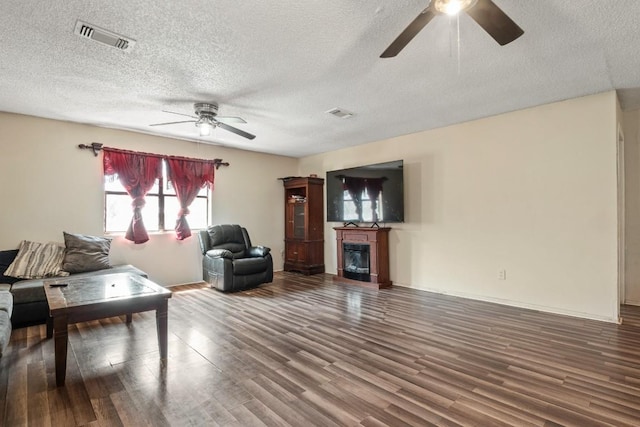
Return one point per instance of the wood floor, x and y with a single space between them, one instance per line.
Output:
304 351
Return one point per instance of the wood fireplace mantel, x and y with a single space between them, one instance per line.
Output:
378 241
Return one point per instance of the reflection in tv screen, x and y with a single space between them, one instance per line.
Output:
371 193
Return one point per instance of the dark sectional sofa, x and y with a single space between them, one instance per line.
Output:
29 301
6 309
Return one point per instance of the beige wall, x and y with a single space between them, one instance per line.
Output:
532 192
632 215
48 185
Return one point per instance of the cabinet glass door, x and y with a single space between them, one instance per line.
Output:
298 221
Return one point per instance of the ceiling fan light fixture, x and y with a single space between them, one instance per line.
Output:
205 127
453 7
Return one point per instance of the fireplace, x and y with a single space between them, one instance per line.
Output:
356 262
363 256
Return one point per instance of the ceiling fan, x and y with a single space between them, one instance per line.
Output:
489 16
206 119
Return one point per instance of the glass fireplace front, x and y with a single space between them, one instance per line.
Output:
356 262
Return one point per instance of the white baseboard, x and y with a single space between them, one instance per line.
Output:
520 304
632 302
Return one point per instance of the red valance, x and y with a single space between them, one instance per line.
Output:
137 172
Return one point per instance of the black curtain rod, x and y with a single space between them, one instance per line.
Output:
96 147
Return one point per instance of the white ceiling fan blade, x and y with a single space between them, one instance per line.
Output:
236 130
174 123
180 114
231 119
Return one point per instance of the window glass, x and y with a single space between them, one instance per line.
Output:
118 209
119 213
197 217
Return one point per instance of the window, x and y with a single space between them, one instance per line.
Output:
160 211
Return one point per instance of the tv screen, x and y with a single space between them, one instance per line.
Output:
370 193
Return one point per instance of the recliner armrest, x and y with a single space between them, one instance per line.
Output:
219 253
258 251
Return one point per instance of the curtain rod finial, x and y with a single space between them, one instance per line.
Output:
219 162
95 146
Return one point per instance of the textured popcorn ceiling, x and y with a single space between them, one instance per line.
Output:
281 65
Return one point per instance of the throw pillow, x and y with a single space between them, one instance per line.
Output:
36 261
85 253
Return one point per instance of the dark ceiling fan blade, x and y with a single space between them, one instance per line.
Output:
409 33
236 130
174 123
231 119
495 22
180 114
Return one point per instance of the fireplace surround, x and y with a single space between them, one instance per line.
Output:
363 256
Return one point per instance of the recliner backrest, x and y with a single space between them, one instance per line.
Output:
230 237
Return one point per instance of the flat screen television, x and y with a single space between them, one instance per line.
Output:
370 193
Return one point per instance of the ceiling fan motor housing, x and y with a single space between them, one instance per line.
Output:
203 109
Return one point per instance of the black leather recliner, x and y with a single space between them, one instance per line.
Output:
231 262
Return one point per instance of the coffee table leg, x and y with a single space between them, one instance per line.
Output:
61 337
49 327
129 317
161 324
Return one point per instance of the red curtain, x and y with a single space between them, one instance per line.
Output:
137 172
188 176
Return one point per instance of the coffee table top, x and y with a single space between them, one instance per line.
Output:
100 289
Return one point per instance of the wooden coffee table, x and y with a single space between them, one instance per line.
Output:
99 297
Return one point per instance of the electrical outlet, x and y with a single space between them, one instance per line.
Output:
502 274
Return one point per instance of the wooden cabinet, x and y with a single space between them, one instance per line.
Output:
304 225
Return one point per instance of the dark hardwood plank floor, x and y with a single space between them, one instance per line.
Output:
304 351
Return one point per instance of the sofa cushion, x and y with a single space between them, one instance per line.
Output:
5 331
85 253
26 291
6 302
6 258
36 260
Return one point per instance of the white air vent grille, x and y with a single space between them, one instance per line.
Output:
340 113
101 35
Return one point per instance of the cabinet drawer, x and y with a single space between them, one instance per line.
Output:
295 252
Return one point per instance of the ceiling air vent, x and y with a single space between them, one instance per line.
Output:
101 35
340 113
